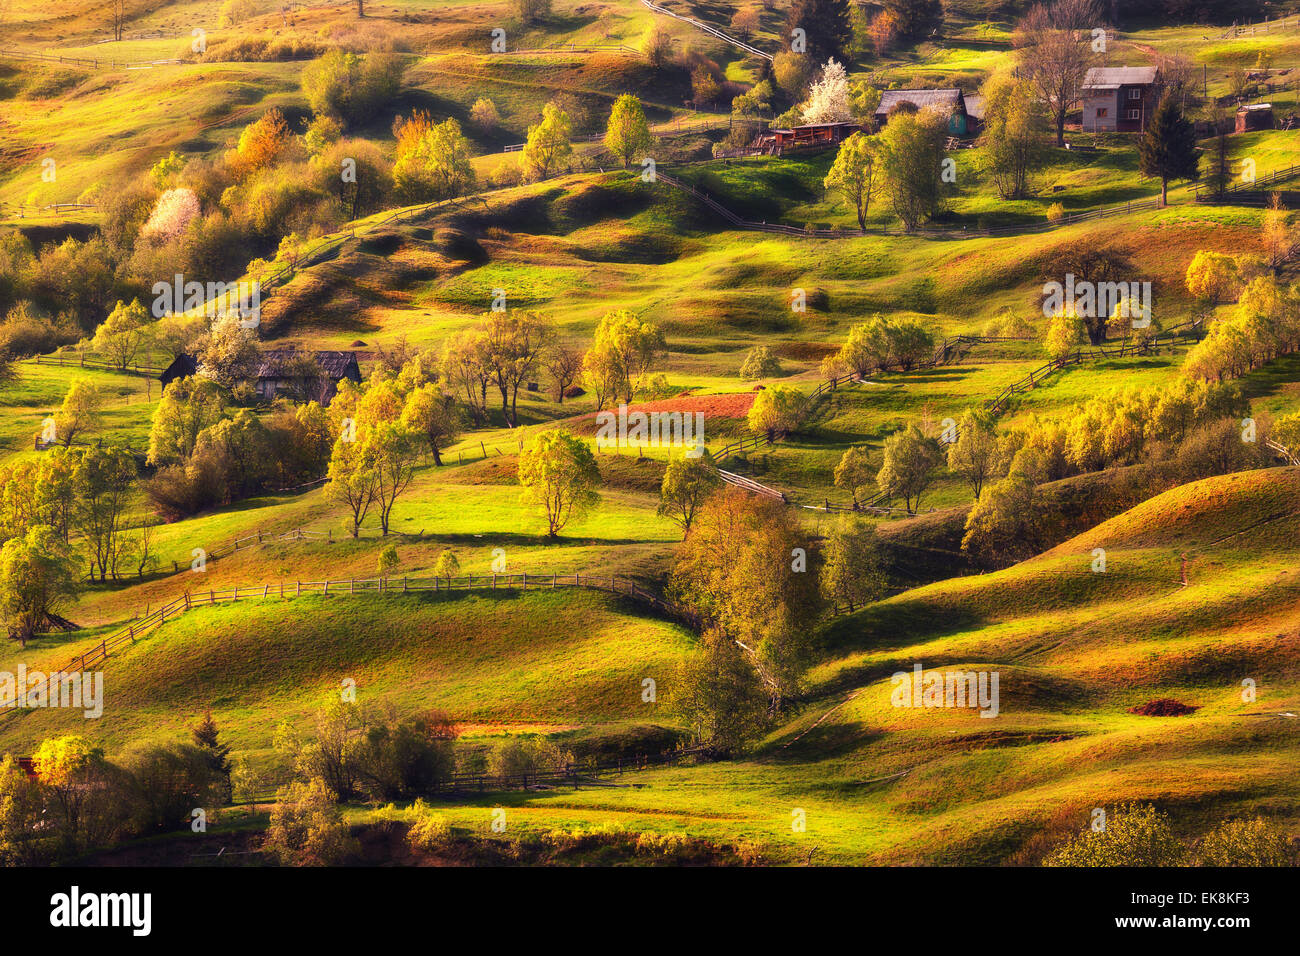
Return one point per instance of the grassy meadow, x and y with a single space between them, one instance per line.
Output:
1075 650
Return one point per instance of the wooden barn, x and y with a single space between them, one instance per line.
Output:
806 137
950 101
1254 116
307 376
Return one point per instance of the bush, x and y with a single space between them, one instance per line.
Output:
27 331
759 363
1055 212
429 830
1134 835
527 755
168 783
306 828
1255 842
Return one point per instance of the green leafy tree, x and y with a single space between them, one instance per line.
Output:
759 363
852 572
826 26
622 353
559 474
855 471
720 696
853 174
628 134
447 566
391 450
432 415
121 335
975 454
105 482
908 469
911 151
306 827
352 480
433 160
1012 140
38 576
744 569
777 410
550 142
80 412
1003 526
688 483
188 407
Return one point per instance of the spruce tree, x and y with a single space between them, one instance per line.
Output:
1168 147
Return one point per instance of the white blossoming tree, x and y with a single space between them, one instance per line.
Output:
828 99
174 211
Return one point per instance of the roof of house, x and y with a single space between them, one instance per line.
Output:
974 106
920 98
274 364
1254 106
1113 77
335 364
182 366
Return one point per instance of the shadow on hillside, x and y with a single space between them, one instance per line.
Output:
832 739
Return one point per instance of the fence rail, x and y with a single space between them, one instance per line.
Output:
711 30
92 62
609 583
1070 219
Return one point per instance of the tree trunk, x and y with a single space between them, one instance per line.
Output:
437 456
1060 127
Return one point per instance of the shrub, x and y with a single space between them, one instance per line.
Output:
1055 212
1255 842
428 830
306 828
1133 835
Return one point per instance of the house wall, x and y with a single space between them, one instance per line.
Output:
1130 100
1100 112
1117 106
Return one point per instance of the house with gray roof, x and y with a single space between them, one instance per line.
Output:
952 101
1119 99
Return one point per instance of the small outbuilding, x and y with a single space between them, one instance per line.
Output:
1254 116
950 101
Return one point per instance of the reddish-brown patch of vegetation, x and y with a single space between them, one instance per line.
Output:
1164 707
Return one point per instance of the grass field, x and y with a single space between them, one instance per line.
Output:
1199 592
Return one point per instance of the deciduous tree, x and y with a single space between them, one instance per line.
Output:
559 474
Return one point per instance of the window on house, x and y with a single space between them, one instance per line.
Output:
1134 114
1102 112
1135 94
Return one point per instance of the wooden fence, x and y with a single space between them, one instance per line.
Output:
1276 176
80 361
711 30
376 587
573 774
999 402
94 63
1070 219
